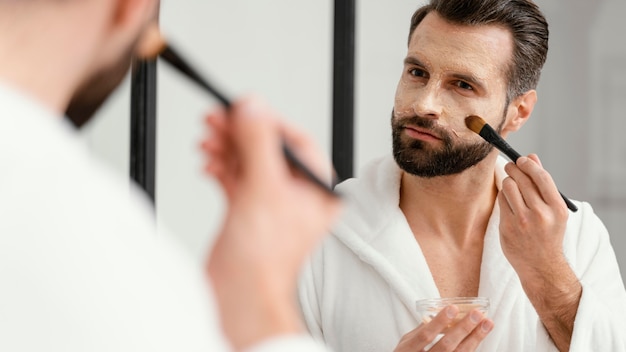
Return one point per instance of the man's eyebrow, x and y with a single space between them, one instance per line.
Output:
411 60
473 80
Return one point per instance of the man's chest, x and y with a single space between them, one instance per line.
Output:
456 272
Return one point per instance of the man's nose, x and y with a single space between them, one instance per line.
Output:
428 101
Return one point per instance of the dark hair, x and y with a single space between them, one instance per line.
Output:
522 18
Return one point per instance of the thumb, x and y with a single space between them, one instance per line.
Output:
257 138
535 158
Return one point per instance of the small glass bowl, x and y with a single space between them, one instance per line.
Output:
429 308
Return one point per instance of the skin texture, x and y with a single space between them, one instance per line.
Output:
451 72
264 238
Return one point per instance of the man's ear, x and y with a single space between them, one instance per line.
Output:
520 110
130 13
126 21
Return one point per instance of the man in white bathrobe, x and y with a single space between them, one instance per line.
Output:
447 216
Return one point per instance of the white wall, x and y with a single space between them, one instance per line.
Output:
283 50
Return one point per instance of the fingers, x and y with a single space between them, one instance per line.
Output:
420 337
524 185
217 143
463 334
541 178
535 158
308 153
260 138
534 184
533 215
256 137
245 146
466 335
217 146
246 152
510 198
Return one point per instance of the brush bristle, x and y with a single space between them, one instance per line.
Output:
475 123
151 43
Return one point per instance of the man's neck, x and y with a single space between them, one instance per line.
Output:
455 207
41 58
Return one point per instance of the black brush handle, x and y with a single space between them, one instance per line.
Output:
171 57
490 135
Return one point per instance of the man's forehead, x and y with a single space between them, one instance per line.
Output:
479 49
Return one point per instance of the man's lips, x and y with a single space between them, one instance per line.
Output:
420 133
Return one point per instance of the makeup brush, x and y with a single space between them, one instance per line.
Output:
478 125
152 44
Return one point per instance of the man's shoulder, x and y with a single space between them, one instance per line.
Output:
377 175
83 233
371 199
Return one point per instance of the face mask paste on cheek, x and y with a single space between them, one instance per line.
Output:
451 111
452 108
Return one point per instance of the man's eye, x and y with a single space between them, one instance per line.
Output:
417 72
464 85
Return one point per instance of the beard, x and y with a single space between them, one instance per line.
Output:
96 88
422 159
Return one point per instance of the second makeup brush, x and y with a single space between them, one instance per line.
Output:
153 45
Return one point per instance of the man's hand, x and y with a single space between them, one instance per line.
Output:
533 218
275 218
464 335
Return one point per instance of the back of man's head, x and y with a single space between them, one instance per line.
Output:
70 54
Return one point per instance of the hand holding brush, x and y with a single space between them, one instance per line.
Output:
482 128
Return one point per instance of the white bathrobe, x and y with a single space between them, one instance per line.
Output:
358 292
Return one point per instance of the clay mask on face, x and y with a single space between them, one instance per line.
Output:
453 71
